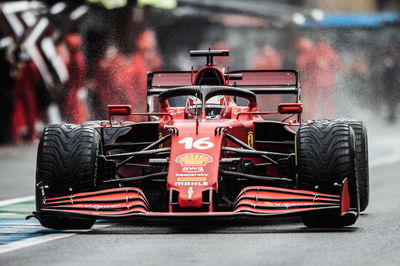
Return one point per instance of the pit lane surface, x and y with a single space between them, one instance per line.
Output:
374 240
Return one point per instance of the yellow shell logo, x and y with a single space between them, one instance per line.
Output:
193 159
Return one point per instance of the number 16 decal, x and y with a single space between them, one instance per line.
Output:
200 144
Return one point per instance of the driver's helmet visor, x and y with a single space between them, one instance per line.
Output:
214 108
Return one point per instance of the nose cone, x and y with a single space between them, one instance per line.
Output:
190 197
193 167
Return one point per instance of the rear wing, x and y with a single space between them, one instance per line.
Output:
268 81
160 81
257 81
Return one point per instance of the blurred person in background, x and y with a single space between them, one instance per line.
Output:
357 77
25 107
359 72
304 47
320 65
122 60
6 96
147 47
74 106
103 84
391 81
121 79
223 62
267 58
131 78
324 75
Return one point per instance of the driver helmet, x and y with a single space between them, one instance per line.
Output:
215 107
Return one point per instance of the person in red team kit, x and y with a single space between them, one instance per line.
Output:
103 81
125 75
304 59
74 106
25 113
267 58
121 79
147 47
131 78
318 64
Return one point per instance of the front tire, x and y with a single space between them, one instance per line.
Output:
325 156
66 164
362 159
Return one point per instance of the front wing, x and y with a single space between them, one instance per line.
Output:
257 201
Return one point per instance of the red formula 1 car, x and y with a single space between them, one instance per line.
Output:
206 152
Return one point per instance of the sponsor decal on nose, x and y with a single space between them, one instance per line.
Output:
193 159
194 183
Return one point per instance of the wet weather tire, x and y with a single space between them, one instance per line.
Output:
362 159
325 155
66 164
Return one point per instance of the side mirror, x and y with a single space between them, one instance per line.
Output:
290 108
119 109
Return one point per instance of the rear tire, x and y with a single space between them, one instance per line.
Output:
66 164
325 155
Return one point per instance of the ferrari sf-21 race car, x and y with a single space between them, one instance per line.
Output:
206 151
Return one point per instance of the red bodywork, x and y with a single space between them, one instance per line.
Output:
198 147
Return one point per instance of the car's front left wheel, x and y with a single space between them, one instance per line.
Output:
66 164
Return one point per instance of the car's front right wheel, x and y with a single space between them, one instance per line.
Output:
325 156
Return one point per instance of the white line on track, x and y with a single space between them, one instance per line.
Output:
31 242
16 200
42 239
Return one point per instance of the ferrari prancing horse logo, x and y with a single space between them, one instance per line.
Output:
250 139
